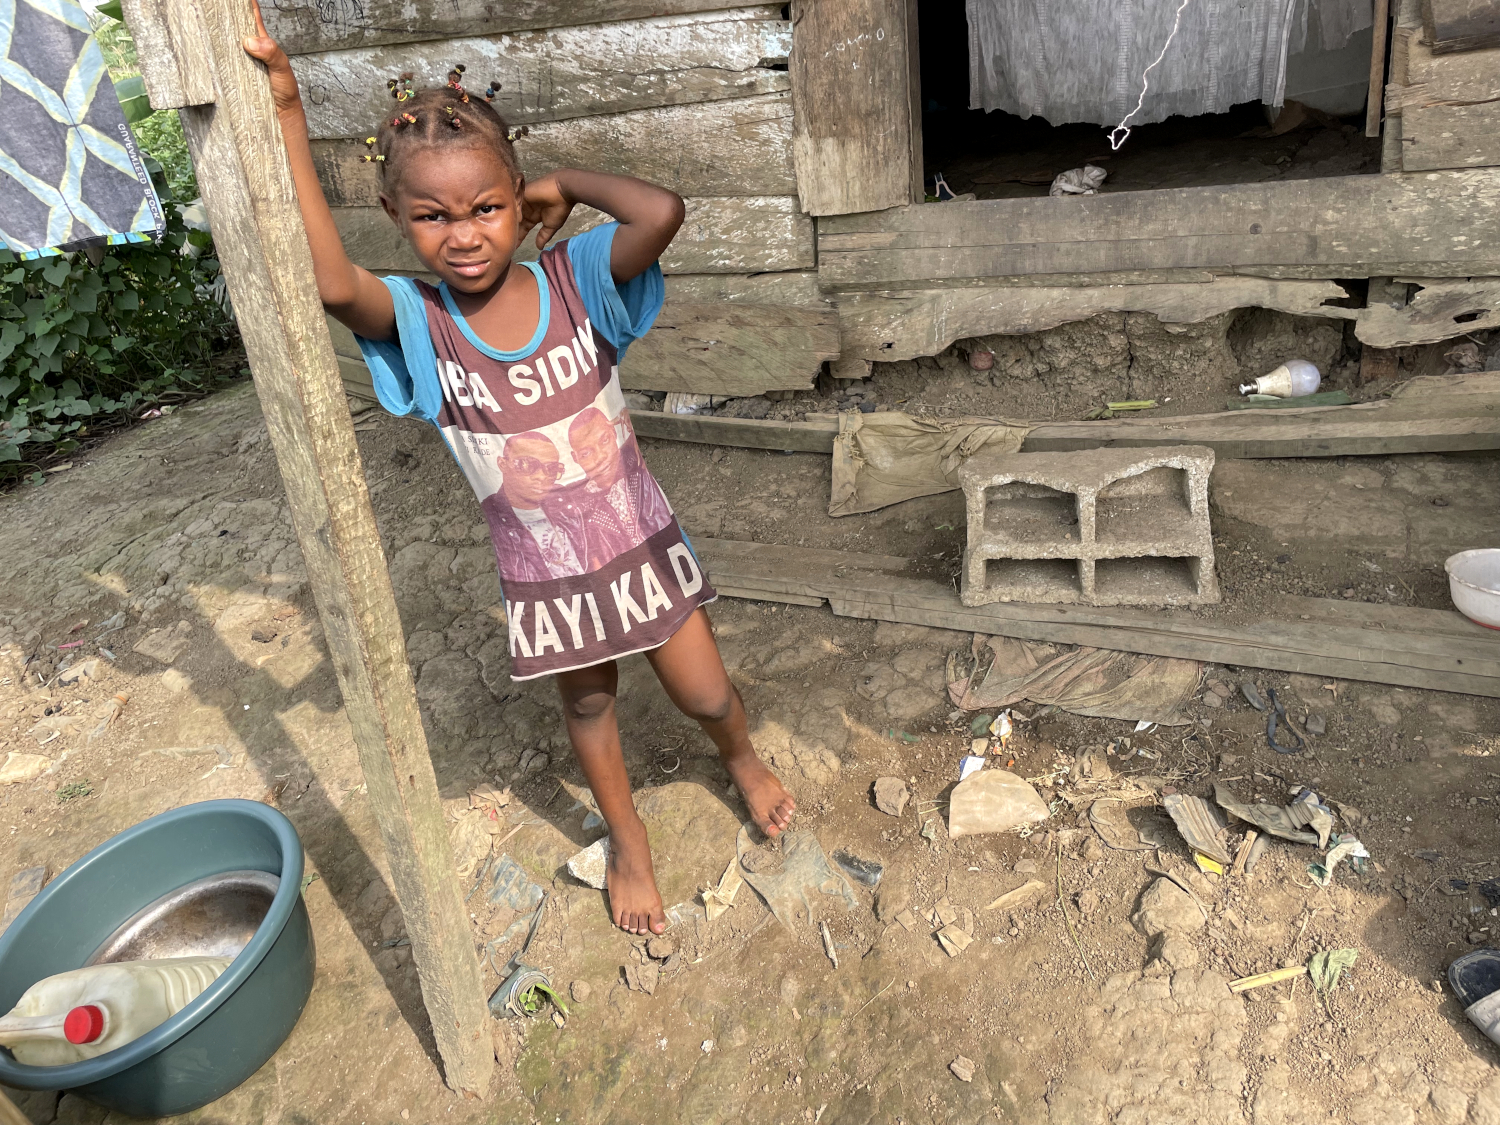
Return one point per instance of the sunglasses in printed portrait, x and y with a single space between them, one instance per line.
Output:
530 466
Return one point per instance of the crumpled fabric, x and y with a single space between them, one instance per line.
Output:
1084 681
884 458
1078 181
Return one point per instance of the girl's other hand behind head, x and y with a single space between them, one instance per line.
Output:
546 204
263 48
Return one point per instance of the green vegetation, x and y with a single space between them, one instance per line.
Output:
74 789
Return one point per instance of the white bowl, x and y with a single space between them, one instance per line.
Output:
1474 583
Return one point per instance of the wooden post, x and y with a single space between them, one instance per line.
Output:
195 63
1376 99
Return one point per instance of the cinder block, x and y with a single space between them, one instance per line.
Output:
1097 527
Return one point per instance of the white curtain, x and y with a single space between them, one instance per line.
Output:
1082 60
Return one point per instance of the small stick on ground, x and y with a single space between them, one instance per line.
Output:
874 998
1068 921
1244 984
1244 853
828 944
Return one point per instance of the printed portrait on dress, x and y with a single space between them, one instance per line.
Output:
570 496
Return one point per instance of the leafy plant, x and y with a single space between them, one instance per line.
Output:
75 789
80 341
534 998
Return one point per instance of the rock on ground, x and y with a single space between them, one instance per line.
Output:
1167 908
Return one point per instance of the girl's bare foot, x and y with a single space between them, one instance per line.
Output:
771 806
634 901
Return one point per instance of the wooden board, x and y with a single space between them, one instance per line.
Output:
246 179
305 26
741 146
857 141
558 74
1349 225
1461 25
732 349
720 235
1412 424
917 322
1441 310
1420 78
1450 136
742 433
1438 424
1412 648
1377 68
798 288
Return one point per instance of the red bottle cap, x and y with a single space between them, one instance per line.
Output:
84 1024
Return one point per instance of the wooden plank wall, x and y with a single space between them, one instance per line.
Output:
694 94
858 131
1448 103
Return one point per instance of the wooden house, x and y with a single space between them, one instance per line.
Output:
794 133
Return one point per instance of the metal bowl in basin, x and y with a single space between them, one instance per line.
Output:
216 877
212 917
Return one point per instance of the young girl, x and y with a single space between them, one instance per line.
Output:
517 365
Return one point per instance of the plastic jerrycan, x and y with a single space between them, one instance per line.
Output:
86 1012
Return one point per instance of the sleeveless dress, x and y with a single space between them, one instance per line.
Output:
593 564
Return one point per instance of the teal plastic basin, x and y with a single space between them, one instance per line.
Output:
237 1023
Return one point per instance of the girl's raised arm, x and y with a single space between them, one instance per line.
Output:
648 215
351 293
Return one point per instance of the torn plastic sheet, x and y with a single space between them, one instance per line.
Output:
1290 822
1200 825
718 899
1344 847
1109 821
804 880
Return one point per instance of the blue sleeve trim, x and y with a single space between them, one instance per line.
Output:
621 313
404 371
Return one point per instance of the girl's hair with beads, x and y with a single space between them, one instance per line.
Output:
439 117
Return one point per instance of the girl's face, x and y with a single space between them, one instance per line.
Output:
460 208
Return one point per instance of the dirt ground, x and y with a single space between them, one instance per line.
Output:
1011 159
181 525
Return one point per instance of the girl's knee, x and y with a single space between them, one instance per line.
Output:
709 708
588 706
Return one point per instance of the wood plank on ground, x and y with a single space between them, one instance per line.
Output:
856 140
1350 224
1429 423
560 73
745 234
738 146
743 433
306 26
1450 136
732 349
1411 648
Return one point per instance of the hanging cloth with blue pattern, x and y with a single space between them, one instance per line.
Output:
70 172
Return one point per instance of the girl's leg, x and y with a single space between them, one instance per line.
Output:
691 671
588 696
